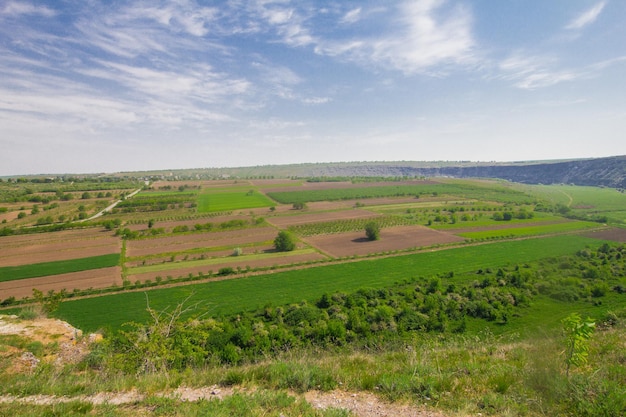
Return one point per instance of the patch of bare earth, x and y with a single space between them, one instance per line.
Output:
391 239
615 234
360 404
57 246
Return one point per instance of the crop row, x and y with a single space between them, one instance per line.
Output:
150 200
496 193
347 225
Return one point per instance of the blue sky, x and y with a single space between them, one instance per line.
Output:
105 86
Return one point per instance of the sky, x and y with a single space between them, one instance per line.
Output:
89 86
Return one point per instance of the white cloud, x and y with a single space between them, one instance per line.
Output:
587 17
13 8
352 16
418 39
286 21
533 72
316 100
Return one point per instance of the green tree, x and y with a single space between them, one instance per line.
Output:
284 241
372 231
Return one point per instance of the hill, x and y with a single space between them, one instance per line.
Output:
608 172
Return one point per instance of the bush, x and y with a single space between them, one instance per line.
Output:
372 231
284 242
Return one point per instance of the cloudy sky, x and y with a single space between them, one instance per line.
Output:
105 86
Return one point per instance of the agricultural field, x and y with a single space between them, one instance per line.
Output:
239 198
194 271
172 232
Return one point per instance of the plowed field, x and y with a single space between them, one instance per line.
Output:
58 246
391 239
199 240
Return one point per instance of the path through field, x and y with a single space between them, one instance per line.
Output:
109 208
361 404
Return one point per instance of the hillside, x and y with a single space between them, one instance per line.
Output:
608 172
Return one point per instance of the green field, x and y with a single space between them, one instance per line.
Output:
250 293
583 201
10 273
531 230
214 200
467 189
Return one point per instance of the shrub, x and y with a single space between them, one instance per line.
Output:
284 241
372 231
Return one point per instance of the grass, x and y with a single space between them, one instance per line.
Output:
467 190
234 199
250 293
531 230
214 261
10 273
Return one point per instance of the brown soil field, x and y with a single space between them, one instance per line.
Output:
615 234
328 216
95 278
199 240
57 246
392 238
49 253
230 262
9 216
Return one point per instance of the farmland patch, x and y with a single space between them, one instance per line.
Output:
11 273
308 218
391 239
242 198
82 280
242 294
239 263
168 244
615 234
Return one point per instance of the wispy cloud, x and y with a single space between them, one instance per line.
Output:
285 20
351 16
418 39
587 17
530 72
13 8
